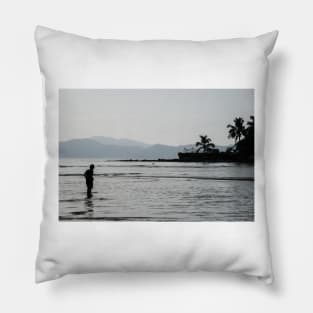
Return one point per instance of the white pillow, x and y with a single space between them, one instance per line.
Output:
165 215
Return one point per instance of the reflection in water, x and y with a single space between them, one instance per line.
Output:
89 205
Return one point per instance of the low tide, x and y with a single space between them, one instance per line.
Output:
156 191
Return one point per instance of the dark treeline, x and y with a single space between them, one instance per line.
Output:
241 151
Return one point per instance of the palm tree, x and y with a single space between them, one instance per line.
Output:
237 130
245 146
205 144
251 122
248 143
250 127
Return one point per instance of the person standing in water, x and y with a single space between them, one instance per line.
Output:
89 180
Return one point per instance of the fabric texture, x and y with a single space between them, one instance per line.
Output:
69 61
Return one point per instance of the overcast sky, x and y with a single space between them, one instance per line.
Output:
168 116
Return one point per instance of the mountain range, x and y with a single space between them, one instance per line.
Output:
111 148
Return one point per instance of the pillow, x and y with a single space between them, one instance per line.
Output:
155 155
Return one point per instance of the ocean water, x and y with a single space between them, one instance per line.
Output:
156 191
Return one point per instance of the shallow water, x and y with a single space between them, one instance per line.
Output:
156 191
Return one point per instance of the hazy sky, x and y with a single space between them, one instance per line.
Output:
167 116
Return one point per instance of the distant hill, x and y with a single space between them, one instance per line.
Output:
110 148
119 142
90 148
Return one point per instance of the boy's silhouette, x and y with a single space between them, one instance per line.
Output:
89 180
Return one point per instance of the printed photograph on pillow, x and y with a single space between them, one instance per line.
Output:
161 155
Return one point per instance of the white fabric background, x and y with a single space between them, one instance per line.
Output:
289 127
69 61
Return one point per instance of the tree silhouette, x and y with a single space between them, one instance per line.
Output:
237 130
205 144
244 137
249 131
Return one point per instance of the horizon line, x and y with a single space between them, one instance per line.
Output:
139 141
